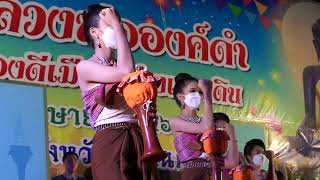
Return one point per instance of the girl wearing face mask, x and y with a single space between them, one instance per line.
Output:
256 156
117 143
189 93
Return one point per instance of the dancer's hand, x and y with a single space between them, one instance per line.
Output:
230 131
269 154
206 87
109 17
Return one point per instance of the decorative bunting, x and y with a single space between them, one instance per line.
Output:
246 2
265 21
278 24
252 10
251 16
236 10
261 8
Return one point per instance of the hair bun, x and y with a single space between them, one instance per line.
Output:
182 77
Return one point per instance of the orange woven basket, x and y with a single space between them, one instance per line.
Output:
215 141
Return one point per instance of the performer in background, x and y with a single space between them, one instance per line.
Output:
255 154
117 143
189 93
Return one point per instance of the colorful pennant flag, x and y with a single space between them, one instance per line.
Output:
278 24
235 10
251 16
265 21
261 8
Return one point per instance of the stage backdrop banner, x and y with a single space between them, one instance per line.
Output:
253 51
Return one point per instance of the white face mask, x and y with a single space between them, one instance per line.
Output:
193 100
109 38
259 159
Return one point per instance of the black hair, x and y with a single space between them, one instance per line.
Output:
221 116
91 19
181 81
67 154
316 36
251 144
